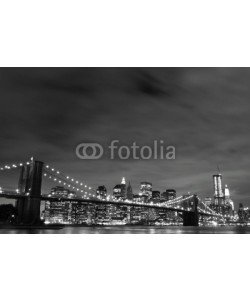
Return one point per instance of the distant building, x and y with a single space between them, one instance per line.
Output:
208 201
61 192
119 191
243 213
170 194
123 187
164 196
101 192
222 203
218 191
228 200
146 189
129 192
137 198
59 211
156 195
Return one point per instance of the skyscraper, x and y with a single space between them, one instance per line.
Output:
226 193
156 195
227 196
208 201
170 194
123 181
119 191
146 189
62 192
163 196
218 191
123 188
101 192
129 192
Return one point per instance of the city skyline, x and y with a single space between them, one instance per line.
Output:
203 112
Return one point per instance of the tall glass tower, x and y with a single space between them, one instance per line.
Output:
218 190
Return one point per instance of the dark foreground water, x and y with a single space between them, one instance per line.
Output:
131 230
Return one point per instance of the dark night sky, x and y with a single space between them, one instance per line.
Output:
203 112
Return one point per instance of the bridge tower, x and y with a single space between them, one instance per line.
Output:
23 183
30 183
191 218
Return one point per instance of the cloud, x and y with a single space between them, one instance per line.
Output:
204 112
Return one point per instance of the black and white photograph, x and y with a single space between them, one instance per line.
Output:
125 150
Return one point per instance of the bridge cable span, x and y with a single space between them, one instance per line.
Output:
68 181
66 178
206 209
10 167
78 186
67 184
178 200
210 210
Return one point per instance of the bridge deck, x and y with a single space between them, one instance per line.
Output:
106 202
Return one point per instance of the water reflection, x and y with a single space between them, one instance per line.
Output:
132 230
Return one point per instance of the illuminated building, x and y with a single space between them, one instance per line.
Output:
243 213
156 195
101 211
129 192
170 194
119 215
208 201
146 189
123 188
59 211
164 196
101 214
218 191
226 193
223 203
101 192
136 198
61 192
228 200
119 191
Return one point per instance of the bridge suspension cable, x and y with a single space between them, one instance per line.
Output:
178 200
85 190
51 177
206 209
209 209
67 178
76 185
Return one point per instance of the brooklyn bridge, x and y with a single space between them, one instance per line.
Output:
28 196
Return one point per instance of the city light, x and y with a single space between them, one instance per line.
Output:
145 200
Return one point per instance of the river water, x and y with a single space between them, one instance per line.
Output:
132 230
